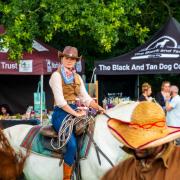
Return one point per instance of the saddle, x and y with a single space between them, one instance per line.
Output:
48 131
40 137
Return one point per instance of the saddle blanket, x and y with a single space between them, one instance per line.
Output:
35 141
41 145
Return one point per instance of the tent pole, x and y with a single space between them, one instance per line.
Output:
95 78
93 75
138 86
41 97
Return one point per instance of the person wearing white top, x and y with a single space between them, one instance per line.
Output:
173 108
67 86
58 91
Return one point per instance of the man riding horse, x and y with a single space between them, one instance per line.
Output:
67 86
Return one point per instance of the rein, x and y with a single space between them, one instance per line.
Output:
107 115
97 148
98 152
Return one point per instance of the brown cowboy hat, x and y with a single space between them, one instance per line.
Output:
146 128
69 51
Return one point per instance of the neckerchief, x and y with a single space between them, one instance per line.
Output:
67 75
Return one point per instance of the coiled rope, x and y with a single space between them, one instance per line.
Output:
66 130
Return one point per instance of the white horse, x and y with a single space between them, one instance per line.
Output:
39 167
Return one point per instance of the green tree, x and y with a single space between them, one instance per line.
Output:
95 26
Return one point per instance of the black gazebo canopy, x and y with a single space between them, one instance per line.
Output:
160 55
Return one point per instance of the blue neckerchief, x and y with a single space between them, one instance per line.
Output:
67 80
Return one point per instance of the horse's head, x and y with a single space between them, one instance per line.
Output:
11 162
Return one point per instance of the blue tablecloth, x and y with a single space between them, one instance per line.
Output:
8 123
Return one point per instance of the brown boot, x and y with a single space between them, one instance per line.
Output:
67 172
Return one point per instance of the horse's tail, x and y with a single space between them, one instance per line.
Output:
11 162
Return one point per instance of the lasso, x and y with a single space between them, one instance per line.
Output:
66 130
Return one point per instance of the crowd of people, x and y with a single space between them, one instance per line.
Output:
167 98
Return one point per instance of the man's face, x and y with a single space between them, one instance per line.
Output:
146 153
166 87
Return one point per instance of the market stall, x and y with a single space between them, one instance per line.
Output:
42 61
159 55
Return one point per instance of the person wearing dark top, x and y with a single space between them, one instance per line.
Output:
164 95
5 111
146 92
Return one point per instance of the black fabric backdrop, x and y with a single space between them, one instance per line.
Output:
117 84
17 91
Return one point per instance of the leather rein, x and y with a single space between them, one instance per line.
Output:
98 149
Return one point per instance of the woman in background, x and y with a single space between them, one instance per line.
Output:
146 92
5 111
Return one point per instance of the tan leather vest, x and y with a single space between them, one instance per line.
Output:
71 91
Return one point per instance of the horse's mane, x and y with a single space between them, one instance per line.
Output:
11 162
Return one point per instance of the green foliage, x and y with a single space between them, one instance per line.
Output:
89 24
156 13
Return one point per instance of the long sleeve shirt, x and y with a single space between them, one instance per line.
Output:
55 83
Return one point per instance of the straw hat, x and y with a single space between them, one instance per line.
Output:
147 127
69 51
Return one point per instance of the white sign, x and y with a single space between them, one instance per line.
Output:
51 65
78 66
163 47
26 66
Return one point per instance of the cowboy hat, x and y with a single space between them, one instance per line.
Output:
70 52
146 127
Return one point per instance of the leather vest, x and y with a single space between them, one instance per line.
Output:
71 91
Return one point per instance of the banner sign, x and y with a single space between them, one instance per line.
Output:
139 68
163 47
26 66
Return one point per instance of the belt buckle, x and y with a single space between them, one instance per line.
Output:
71 102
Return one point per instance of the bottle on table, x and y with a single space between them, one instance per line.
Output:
28 112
